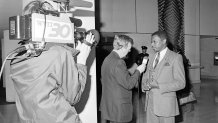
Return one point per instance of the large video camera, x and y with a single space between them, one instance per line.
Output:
38 27
44 25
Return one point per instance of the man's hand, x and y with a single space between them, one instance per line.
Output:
154 84
141 68
145 86
150 84
84 49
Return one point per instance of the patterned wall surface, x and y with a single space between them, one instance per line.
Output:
171 19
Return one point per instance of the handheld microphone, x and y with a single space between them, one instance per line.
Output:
145 60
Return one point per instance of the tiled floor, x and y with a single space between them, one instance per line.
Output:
205 110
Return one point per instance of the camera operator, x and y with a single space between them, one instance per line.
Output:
48 86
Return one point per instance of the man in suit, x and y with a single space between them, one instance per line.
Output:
116 102
164 76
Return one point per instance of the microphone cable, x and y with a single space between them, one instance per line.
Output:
17 50
20 49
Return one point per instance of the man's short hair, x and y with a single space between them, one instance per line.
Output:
162 35
121 41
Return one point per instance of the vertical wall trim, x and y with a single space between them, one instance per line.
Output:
136 17
171 19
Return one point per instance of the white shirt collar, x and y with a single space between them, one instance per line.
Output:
162 54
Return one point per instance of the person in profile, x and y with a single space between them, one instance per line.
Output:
165 76
140 56
117 83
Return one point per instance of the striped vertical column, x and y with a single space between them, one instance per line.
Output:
171 19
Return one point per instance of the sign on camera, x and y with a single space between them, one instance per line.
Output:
52 29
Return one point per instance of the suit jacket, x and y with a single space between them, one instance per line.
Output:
170 75
116 101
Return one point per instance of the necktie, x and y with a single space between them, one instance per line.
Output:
157 59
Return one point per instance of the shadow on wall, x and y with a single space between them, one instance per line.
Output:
85 95
102 50
131 57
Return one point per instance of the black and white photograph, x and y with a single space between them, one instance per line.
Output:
109 61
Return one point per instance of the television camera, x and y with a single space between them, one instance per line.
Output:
44 25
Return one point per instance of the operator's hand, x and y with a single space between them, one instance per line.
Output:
84 49
141 68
